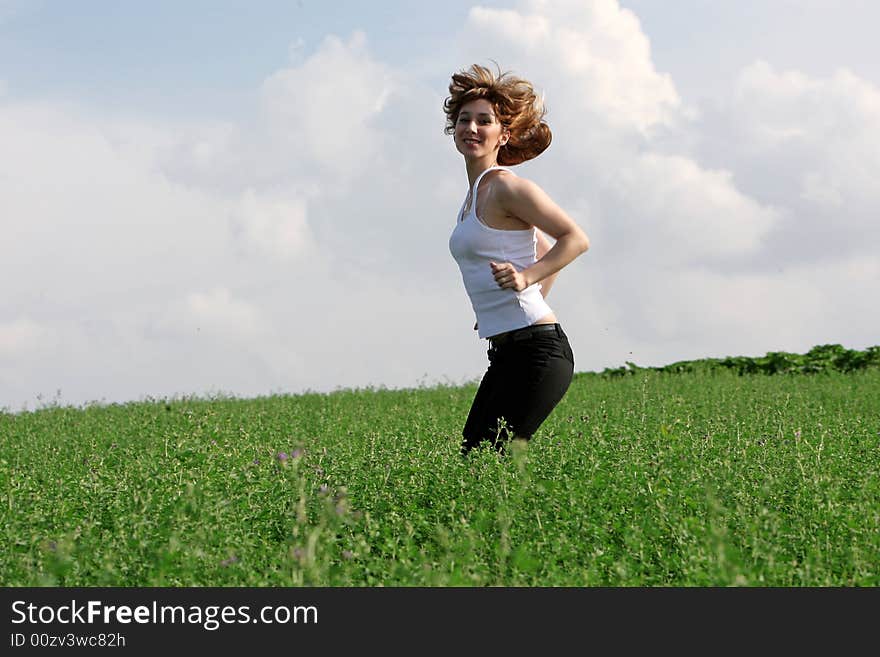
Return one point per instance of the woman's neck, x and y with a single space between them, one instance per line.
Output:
476 167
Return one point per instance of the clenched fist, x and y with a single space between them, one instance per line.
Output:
508 277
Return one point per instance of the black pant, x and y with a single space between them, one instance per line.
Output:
528 375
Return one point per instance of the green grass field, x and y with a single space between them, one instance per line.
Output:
694 479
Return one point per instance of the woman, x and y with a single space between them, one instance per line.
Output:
507 264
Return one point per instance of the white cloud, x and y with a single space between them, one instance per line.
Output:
219 312
684 213
89 222
803 225
810 145
322 110
820 190
791 309
274 226
834 122
593 57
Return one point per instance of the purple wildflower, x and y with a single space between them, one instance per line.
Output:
281 456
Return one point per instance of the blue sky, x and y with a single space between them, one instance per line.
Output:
182 57
255 197
169 54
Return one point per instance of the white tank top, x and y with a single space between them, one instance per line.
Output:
473 244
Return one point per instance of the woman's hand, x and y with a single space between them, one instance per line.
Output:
508 277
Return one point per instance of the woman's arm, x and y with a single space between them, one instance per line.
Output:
524 199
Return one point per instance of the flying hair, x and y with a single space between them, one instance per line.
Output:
517 107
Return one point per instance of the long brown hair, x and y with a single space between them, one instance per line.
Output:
516 105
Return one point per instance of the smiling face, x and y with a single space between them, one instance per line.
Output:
478 133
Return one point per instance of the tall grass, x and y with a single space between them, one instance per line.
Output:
697 479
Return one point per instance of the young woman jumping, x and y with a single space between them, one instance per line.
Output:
507 263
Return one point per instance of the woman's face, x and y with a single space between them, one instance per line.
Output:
477 130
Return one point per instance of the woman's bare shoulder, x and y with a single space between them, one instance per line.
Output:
509 187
